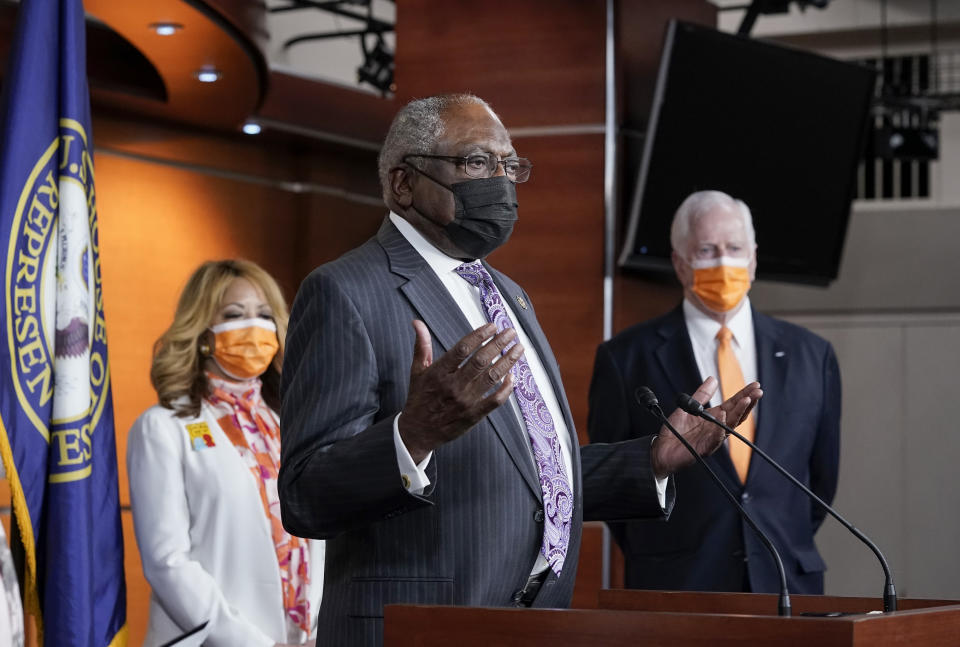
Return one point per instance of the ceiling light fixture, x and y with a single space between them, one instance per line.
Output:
165 28
207 74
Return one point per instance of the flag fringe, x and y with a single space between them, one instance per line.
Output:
120 640
21 513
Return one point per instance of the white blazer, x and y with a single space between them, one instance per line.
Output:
204 540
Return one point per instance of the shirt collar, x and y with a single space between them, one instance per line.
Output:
702 327
437 260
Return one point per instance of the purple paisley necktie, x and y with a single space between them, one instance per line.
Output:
557 495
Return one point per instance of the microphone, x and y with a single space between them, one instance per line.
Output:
693 407
186 635
646 398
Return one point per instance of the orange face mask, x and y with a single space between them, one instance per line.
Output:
721 283
244 349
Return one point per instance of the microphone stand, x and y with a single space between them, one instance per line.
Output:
693 407
647 399
186 635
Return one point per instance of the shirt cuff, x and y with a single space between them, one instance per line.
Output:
414 475
660 483
662 491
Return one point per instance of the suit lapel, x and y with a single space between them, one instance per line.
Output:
423 289
772 363
437 309
675 356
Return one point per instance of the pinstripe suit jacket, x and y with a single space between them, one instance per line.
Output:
472 538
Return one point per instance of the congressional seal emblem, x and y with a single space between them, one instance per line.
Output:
56 333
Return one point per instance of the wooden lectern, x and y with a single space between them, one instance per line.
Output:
680 619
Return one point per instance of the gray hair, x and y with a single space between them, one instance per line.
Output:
416 129
699 203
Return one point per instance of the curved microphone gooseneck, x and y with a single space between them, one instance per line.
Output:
693 407
648 400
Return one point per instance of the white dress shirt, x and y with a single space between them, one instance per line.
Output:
703 337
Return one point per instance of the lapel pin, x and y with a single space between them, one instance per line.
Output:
779 353
523 304
200 436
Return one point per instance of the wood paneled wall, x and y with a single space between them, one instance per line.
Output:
170 198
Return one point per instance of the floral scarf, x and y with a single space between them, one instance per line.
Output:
254 431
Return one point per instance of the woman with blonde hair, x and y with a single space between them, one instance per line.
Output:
203 467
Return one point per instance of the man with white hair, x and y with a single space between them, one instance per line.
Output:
706 545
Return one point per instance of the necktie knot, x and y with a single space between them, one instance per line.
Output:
724 335
474 273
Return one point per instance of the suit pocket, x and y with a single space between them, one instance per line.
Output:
368 595
809 561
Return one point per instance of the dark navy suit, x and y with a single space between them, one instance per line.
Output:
705 545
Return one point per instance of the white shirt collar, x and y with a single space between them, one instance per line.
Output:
440 262
704 329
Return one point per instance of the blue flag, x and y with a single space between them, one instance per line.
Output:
56 436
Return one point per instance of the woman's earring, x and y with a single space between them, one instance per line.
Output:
205 350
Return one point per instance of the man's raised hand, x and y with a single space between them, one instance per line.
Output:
449 396
669 455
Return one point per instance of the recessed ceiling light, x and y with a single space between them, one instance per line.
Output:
166 28
251 127
208 74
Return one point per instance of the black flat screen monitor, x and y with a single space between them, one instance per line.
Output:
781 129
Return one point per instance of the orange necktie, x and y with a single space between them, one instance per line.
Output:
731 381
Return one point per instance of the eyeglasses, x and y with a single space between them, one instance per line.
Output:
484 165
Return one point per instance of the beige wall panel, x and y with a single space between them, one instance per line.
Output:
932 453
897 258
870 494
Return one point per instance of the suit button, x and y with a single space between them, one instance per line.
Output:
744 497
538 516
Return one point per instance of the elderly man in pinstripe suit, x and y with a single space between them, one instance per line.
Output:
439 460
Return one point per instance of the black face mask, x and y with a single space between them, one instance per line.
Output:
486 210
484 213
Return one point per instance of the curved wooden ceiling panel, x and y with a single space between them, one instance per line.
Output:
132 69
207 40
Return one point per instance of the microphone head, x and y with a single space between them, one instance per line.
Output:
646 398
689 405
